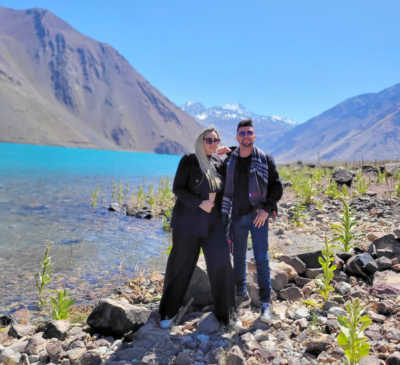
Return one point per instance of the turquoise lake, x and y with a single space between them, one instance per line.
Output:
45 196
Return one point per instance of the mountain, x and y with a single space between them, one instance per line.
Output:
59 87
365 127
268 129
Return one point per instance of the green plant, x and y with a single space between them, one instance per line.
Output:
141 196
127 188
43 277
167 219
323 283
351 337
344 190
343 231
114 190
380 177
332 190
320 204
61 304
361 186
95 195
298 215
120 193
103 198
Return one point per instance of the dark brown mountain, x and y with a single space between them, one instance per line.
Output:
366 127
59 87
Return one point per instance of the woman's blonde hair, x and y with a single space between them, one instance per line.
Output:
206 167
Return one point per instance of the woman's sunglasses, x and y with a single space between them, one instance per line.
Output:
210 140
243 133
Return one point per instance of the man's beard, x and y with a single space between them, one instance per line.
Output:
247 143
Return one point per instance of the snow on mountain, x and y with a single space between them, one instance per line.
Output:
268 128
231 112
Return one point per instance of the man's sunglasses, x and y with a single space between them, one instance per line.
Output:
210 140
243 133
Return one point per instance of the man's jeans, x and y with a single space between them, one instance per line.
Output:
240 231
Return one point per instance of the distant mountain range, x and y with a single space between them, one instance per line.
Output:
59 87
268 129
365 127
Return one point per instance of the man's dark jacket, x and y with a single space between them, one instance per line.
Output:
191 188
275 185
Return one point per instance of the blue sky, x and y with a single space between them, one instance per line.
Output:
288 58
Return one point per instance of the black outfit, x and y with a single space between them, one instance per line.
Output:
194 229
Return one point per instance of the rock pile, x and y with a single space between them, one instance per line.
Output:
119 333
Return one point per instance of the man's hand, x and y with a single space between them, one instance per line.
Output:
261 217
207 205
223 149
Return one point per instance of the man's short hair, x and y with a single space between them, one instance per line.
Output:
245 123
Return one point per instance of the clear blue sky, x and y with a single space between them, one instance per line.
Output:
283 57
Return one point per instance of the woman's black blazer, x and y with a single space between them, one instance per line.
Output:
191 188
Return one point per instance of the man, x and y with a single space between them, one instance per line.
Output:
252 190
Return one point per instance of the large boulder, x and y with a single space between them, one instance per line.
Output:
391 168
386 282
117 317
361 265
21 330
199 289
208 324
295 262
310 259
57 329
343 177
386 246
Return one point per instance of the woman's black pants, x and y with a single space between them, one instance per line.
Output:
182 262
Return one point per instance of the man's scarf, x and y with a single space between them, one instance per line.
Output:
258 184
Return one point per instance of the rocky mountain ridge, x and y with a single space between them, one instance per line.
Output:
365 127
59 87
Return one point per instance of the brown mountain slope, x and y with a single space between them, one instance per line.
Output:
60 87
364 127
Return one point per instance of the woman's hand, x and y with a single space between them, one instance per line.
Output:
207 205
223 149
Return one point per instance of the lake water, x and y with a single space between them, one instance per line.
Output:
45 196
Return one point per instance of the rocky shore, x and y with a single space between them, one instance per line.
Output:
124 328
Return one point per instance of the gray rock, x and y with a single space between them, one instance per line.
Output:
313 273
337 311
249 342
310 259
279 279
343 177
291 294
235 357
33 358
57 329
12 359
329 304
183 358
54 351
91 357
35 345
356 265
5 352
396 231
21 330
208 324
384 243
199 288
383 263
391 168
19 346
318 344
301 313
343 288
295 262
117 317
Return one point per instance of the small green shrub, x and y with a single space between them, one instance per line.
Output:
351 337
298 215
61 304
332 191
343 232
323 281
95 195
361 186
43 277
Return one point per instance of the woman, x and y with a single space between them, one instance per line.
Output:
197 224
